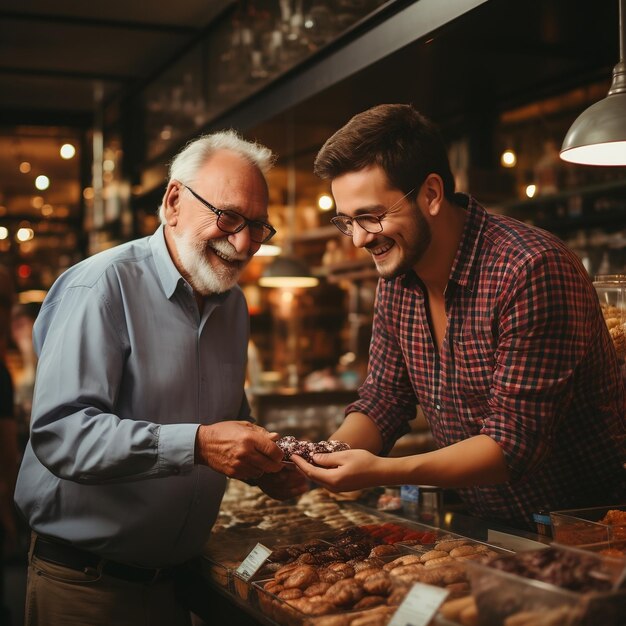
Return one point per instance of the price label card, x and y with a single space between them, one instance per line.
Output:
419 606
620 583
252 563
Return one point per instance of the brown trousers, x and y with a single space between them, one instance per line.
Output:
59 596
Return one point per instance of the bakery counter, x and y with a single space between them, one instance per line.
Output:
340 563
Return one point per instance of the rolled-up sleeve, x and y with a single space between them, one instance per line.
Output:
543 327
386 396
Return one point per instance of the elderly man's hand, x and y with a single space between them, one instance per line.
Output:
288 483
238 449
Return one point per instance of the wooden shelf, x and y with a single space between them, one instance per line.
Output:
585 191
322 232
358 269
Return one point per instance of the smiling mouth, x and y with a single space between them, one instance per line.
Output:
225 258
378 250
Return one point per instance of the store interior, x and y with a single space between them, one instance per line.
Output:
96 99
127 85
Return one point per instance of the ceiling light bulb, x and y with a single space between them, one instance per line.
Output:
531 190
508 158
67 151
4 232
42 182
24 167
606 153
325 202
268 249
25 234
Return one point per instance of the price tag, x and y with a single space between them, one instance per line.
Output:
620 583
251 564
419 606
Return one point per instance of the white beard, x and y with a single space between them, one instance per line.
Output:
203 277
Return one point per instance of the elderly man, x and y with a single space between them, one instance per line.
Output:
139 412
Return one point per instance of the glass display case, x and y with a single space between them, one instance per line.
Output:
248 46
611 289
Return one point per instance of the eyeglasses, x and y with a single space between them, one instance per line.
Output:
232 222
368 222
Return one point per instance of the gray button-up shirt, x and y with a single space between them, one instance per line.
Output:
127 371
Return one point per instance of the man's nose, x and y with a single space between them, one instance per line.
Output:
360 237
241 241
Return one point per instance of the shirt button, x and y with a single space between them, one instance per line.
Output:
438 407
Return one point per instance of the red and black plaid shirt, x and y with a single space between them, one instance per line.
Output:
526 359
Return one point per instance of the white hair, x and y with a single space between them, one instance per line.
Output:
195 154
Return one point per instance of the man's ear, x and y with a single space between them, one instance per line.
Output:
171 202
432 190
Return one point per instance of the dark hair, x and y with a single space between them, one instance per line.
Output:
404 143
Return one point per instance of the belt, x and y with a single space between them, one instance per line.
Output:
83 561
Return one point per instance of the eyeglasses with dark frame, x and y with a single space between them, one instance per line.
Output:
368 222
232 222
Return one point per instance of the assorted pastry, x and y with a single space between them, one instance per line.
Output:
306 449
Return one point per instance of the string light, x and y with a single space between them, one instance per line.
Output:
42 182
67 151
508 158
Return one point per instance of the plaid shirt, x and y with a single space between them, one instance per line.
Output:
526 359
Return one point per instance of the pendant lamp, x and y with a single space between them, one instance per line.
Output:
287 272
598 135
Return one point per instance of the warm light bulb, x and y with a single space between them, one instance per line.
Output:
610 153
508 158
42 182
31 295
25 234
267 249
531 190
4 232
24 167
325 202
67 151
288 282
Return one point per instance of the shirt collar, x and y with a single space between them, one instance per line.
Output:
462 268
462 271
169 275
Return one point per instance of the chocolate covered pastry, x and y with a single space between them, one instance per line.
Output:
306 449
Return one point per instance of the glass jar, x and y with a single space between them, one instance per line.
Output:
611 290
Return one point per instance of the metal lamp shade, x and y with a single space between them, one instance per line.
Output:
598 135
287 273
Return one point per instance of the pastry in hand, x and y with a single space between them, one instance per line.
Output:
306 449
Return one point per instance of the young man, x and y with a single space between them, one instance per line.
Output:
139 412
491 325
